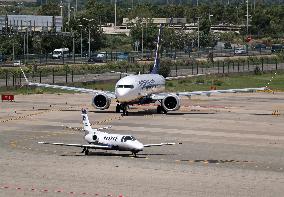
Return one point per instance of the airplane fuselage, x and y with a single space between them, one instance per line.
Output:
132 88
115 141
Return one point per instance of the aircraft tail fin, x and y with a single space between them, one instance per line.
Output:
86 123
24 75
156 66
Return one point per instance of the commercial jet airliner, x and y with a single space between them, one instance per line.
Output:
141 89
105 141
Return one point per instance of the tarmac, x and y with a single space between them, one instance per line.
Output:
226 145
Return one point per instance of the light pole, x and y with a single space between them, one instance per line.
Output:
13 48
115 1
81 42
210 15
89 50
69 12
61 9
74 12
142 41
198 37
247 17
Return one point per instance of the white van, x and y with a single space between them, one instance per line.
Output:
59 53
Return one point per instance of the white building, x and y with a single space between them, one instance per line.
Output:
31 23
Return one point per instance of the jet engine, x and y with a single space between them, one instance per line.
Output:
91 137
101 101
171 103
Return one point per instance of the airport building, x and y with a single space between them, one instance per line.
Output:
31 23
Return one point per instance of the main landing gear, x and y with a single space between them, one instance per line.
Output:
160 110
123 108
86 151
134 153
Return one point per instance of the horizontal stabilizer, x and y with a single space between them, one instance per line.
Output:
161 144
92 146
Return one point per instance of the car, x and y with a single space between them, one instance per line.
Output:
17 63
122 57
2 58
227 45
259 46
98 57
240 51
276 48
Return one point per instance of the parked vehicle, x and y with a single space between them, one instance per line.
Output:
98 57
227 45
276 48
17 63
240 51
59 53
122 57
259 46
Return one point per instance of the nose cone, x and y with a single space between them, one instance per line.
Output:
122 94
139 146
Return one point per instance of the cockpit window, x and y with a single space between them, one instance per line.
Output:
127 138
125 86
128 86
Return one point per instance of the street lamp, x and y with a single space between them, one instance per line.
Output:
247 17
74 12
210 15
115 2
89 27
61 9
81 42
198 18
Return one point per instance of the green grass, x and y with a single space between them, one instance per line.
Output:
227 82
189 84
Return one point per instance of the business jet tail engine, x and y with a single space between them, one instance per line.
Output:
101 101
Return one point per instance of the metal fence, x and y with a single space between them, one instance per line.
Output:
70 76
47 59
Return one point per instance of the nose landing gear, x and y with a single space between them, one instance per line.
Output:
160 110
86 151
122 107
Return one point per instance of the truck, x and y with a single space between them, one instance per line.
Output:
60 53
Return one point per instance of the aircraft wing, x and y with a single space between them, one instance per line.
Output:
92 146
161 144
160 96
83 90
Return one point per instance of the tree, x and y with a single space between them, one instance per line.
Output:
50 9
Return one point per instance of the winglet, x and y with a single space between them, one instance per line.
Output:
24 75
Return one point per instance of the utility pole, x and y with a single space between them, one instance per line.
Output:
89 42
115 1
69 12
198 36
61 9
142 43
13 49
247 18
89 20
81 43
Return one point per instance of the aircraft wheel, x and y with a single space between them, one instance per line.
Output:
159 109
87 152
126 113
165 111
117 109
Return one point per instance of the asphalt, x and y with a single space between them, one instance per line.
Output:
226 145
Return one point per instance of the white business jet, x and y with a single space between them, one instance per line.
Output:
141 89
106 141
